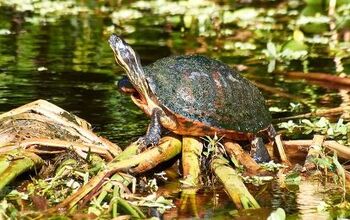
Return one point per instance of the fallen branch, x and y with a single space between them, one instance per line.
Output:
341 150
167 149
191 152
233 184
236 153
327 78
49 113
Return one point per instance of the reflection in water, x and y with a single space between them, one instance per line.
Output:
309 199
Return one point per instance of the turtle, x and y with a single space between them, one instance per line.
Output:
195 95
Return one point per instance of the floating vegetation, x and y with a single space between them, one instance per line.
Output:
338 130
46 10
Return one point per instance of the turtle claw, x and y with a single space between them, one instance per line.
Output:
148 141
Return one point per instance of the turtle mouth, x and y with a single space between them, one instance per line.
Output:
139 100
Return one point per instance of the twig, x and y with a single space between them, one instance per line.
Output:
280 148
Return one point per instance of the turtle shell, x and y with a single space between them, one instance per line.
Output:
200 89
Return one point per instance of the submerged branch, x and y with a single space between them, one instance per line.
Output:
276 91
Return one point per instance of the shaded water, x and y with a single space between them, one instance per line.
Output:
69 63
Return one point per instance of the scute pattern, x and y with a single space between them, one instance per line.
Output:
209 91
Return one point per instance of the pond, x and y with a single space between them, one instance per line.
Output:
58 51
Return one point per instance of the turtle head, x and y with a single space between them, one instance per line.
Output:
129 60
124 55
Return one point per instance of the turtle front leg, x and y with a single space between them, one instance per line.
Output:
258 150
154 130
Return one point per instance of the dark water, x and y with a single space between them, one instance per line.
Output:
80 72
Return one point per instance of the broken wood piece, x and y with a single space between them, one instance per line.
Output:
173 146
15 162
235 152
281 152
315 150
233 184
35 143
191 153
47 112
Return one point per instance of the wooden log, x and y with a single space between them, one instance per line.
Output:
191 152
